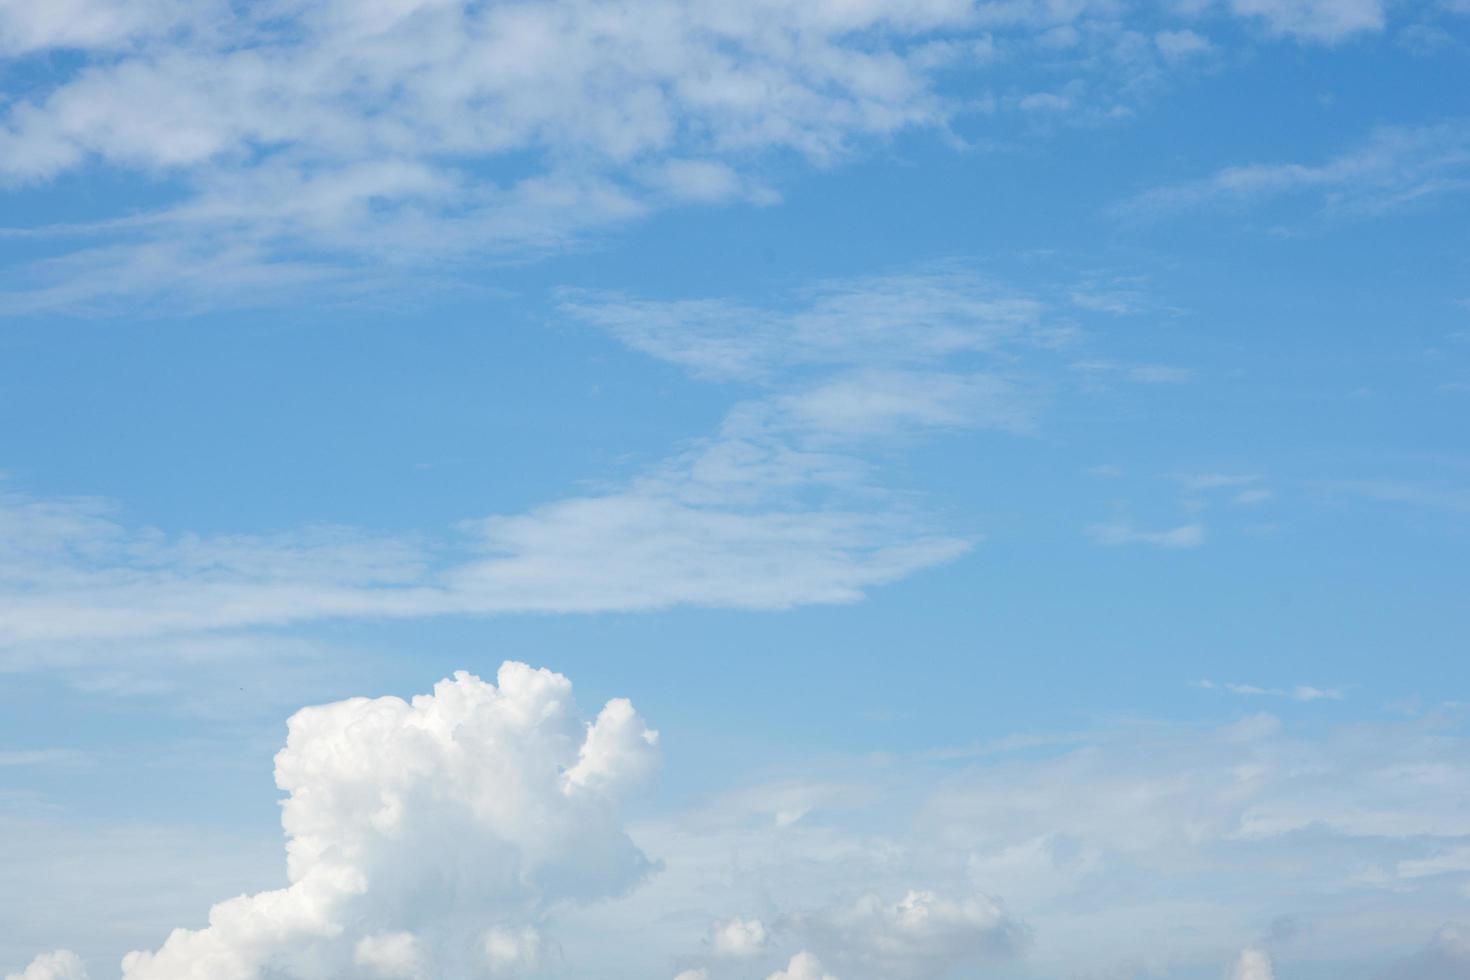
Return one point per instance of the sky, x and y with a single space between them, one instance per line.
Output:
682 490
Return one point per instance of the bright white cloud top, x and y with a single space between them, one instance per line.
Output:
430 838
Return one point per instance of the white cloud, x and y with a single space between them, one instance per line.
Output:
1116 533
295 145
782 506
422 132
59 965
1253 964
1302 692
1139 848
803 966
1133 848
739 938
921 936
895 320
430 838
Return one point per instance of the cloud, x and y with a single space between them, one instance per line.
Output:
1327 21
332 149
293 141
60 965
93 24
894 320
803 966
1395 167
1117 533
1253 964
431 838
1302 692
1141 847
483 819
782 505
739 938
922 936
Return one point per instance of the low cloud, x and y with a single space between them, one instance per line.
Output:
59 965
431 837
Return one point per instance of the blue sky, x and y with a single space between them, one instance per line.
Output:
1012 453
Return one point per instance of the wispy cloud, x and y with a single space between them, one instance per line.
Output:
1120 532
297 144
1412 493
781 506
1393 168
1302 692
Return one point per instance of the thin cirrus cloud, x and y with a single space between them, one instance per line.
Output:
1302 692
781 506
1121 532
1394 167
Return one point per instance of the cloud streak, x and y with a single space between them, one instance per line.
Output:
1395 167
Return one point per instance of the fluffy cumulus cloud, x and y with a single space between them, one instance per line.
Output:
430 838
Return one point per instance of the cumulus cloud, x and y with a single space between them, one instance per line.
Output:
803 966
431 837
922 936
1154 843
59 965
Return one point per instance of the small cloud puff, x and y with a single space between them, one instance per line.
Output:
739 938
